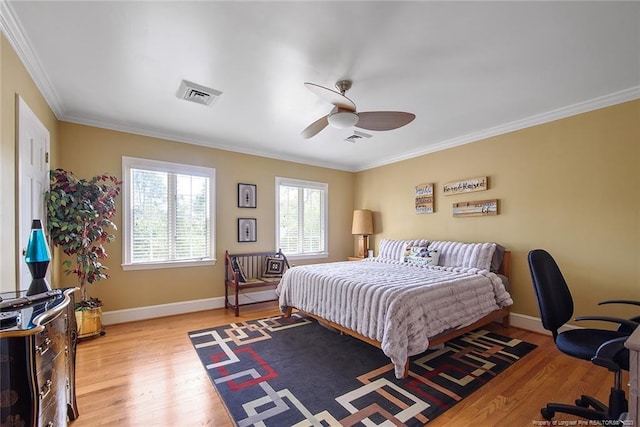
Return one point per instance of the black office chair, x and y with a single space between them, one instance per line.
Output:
602 347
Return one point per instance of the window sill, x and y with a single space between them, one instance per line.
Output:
171 264
306 256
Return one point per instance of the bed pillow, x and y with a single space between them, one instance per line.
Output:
273 266
420 255
498 256
467 255
394 249
237 267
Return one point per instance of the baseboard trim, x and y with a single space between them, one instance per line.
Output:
183 307
533 324
530 323
522 321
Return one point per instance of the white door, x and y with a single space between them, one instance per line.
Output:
33 181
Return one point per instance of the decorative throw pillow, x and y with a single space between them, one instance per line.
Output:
419 255
273 266
237 267
394 249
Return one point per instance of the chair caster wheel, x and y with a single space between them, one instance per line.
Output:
547 414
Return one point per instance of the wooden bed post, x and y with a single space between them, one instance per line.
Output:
406 370
506 320
287 312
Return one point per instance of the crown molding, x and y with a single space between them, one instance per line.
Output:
13 31
538 119
174 137
619 97
11 28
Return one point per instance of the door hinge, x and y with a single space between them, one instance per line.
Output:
46 157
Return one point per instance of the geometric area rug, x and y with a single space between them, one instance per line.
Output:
295 372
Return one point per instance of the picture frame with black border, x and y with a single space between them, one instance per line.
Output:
247 230
247 197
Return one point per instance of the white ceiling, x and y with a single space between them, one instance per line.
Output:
468 70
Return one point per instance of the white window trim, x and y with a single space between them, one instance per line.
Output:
129 163
292 182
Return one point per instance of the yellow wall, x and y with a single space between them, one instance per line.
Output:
89 151
14 80
570 187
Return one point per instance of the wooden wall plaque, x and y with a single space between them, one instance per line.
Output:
424 198
479 183
476 208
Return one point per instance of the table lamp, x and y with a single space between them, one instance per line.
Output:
362 225
37 257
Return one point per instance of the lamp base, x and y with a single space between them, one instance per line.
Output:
38 286
363 246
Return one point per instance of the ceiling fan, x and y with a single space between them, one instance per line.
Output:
344 115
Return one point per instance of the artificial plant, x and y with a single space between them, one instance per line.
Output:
79 213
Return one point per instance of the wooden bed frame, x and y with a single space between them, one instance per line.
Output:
501 315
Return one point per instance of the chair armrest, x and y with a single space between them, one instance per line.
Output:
630 323
234 276
619 301
607 352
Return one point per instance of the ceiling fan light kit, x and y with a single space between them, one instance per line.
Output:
344 114
343 119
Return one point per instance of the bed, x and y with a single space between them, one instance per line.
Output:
414 295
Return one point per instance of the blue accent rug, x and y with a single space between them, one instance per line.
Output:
285 372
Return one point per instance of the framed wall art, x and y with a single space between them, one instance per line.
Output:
247 230
246 195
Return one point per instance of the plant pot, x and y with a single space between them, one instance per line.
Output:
89 322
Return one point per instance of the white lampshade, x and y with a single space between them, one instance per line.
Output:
343 119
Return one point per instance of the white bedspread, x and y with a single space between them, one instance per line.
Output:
399 305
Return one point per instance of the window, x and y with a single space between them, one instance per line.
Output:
301 218
168 214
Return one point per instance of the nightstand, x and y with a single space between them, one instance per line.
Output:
355 258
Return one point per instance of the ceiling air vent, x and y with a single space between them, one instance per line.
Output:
356 136
196 93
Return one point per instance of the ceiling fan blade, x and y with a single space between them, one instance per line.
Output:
331 96
383 120
315 127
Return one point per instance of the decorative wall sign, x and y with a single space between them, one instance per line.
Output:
479 183
424 198
246 195
247 230
476 208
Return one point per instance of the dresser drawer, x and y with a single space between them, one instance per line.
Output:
52 386
52 341
53 416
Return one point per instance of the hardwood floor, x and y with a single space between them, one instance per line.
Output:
147 374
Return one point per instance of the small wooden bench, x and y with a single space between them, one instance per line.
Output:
251 270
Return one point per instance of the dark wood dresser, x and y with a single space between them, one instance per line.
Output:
38 337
